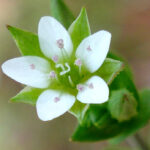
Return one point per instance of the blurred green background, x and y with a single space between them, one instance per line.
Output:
129 23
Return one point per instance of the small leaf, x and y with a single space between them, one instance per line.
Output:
80 28
27 42
122 105
28 95
78 110
61 12
110 69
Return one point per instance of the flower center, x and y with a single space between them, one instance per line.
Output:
64 71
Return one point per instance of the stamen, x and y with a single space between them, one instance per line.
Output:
32 66
60 43
52 74
56 99
70 81
55 58
89 48
91 86
78 62
80 87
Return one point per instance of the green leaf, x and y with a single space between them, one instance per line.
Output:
80 28
124 79
122 105
61 12
28 95
27 42
110 69
98 124
78 110
140 121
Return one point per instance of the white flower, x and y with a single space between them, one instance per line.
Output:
65 77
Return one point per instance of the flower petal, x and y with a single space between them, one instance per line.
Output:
53 103
94 91
29 70
93 50
54 38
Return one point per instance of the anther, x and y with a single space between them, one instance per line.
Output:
91 86
56 99
32 66
55 58
52 74
80 87
60 43
78 62
89 48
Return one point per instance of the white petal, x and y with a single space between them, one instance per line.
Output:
29 70
50 31
94 91
53 103
93 50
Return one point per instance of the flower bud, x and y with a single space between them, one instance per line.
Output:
122 105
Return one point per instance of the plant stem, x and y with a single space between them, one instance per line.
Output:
141 142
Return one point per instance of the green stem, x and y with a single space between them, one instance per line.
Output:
141 142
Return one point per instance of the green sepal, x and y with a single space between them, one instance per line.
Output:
124 79
80 28
61 12
27 42
28 95
110 69
79 110
122 105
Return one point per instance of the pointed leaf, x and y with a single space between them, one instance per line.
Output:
78 110
124 79
28 95
80 28
110 69
27 42
61 12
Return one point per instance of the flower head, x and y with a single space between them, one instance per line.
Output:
73 75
